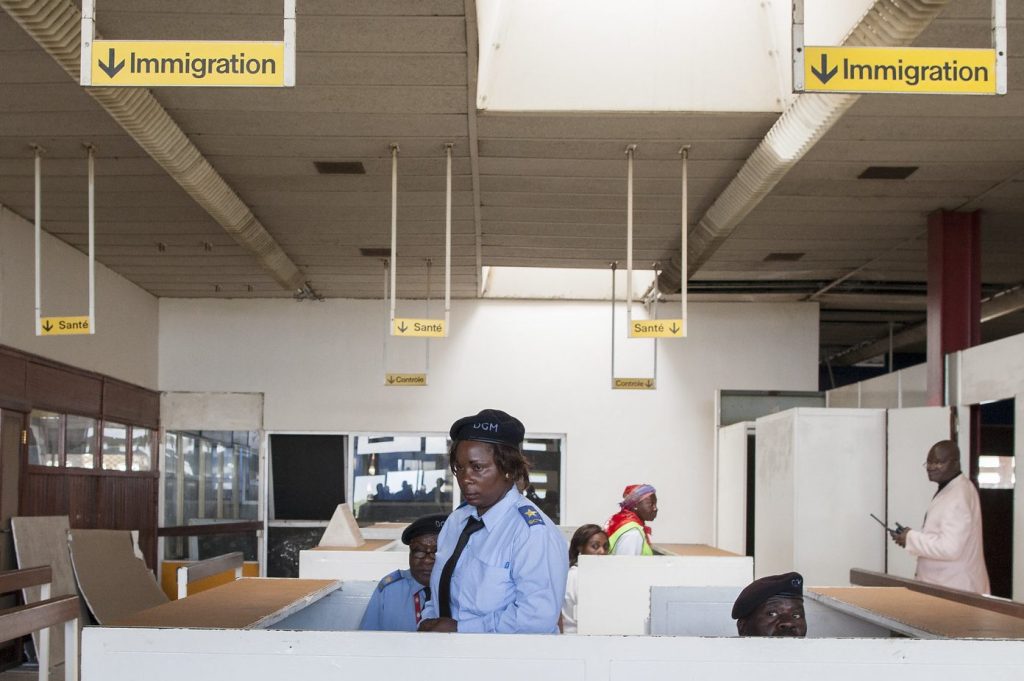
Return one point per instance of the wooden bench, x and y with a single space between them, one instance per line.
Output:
26 619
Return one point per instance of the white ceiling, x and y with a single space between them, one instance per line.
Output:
549 189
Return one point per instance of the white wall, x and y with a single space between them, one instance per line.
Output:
125 343
319 366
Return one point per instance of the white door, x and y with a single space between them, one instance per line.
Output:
911 433
731 493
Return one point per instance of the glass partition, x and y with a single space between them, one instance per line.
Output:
212 477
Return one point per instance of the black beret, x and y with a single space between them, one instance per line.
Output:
428 524
790 585
490 425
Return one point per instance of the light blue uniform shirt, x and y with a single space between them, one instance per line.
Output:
393 604
510 578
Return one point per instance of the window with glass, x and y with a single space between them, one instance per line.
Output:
82 442
172 481
142 448
996 472
398 478
46 430
115 447
211 477
544 487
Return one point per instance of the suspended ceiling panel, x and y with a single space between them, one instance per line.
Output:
550 188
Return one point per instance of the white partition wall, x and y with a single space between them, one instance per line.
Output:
351 565
911 433
614 592
122 653
731 488
988 372
820 472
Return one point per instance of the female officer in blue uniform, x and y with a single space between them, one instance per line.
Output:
501 563
398 601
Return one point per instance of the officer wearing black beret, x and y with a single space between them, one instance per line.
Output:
772 606
398 601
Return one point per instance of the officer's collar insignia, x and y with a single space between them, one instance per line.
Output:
390 579
531 515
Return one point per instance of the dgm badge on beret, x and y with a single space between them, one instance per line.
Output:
490 425
788 585
428 524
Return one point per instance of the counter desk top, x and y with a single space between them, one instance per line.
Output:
248 603
917 614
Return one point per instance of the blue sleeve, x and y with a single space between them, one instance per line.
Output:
429 611
539 569
374 615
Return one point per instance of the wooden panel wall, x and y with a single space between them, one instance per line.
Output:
95 500
13 393
31 382
125 403
90 498
129 503
62 390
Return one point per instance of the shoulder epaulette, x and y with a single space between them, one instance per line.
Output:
531 515
390 579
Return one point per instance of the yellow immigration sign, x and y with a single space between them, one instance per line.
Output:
161 63
404 380
64 326
429 328
656 328
634 384
922 70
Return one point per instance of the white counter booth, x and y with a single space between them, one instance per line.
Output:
818 474
984 374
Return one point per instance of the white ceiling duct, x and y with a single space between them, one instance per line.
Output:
56 26
888 23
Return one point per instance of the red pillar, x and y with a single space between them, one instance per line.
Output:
954 291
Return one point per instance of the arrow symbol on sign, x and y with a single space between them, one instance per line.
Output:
825 75
391 379
648 384
402 327
47 327
110 69
674 328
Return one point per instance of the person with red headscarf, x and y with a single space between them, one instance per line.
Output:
627 530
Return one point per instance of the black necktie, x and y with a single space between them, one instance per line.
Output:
444 588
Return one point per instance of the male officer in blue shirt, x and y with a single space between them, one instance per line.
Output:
501 563
398 601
